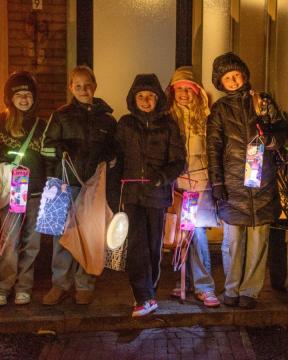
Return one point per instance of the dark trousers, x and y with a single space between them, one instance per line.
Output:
144 250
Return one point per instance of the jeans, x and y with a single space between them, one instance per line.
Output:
65 270
244 252
198 263
22 247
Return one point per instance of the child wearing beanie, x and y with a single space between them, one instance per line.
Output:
243 125
189 108
22 243
151 149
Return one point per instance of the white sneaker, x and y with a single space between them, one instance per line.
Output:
145 309
22 298
3 300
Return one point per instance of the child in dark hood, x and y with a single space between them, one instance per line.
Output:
151 149
22 242
239 120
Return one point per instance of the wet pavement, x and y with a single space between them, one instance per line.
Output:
199 343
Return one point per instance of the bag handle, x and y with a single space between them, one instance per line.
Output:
67 160
25 145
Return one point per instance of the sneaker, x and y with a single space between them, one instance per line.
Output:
22 298
3 300
247 302
84 297
54 296
209 298
231 300
145 309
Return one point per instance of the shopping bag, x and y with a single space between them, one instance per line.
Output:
54 206
85 233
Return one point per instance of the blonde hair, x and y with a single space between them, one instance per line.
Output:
197 114
82 70
14 122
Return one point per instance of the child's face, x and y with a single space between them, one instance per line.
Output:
146 100
83 88
183 94
232 80
23 100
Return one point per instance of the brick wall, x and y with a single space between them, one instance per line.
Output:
37 43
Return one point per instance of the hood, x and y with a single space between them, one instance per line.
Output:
225 63
146 82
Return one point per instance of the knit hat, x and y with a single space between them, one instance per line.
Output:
146 82
19 81
186 74
183 73
225 63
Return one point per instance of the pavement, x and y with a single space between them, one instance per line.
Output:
111 308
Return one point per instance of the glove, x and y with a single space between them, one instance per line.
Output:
156 180
267 130
219 193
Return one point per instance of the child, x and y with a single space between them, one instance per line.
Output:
152 149
84 128
189 108
22 242
236 121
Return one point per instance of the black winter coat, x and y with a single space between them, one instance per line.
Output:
151 150
231 127
32 158
86 132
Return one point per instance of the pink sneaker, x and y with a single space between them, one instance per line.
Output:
145 309
209 298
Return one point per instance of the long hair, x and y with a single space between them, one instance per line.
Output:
14 122
197 116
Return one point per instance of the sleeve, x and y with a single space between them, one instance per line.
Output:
276 122
215 146
110 146
50 141
114 174
176 156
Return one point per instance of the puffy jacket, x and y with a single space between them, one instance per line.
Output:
231 127
151 148
32 158
86 132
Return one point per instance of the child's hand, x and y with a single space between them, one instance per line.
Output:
156 180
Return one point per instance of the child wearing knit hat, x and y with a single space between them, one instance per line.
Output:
22 243
189 108
240 121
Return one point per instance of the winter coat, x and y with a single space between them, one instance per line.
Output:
231 127
32 158
86 132
151 148
197 173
